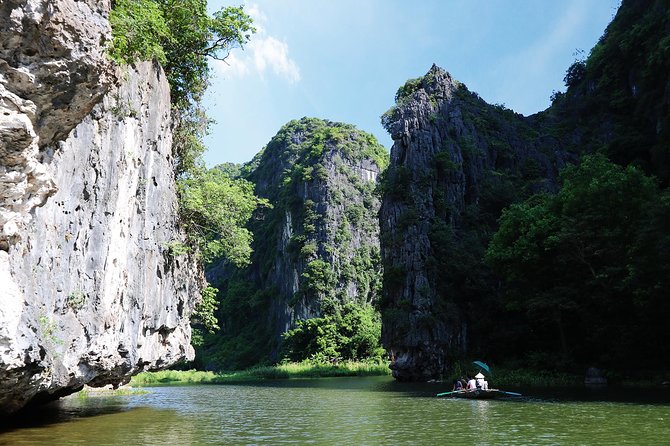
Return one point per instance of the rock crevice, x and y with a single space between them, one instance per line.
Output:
88 206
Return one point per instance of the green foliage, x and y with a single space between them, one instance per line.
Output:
206 308
195 36
172 377
318 278
589 263
406 91
214 210
286 370
352 332
76 300
244 339
138 31
613 97
49 329
575 73
177 248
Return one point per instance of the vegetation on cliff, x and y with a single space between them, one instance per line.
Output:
575 273
182 36
590 265
617 98
315 266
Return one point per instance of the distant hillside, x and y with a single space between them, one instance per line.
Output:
315 251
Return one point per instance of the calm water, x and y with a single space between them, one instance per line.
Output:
351 411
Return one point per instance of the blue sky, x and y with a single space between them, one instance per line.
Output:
343 60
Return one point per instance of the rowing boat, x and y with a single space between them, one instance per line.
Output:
479 394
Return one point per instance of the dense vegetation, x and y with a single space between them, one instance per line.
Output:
320 235
617 100
587 269
576 272
182 36
590 266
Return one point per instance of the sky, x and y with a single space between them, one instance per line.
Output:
343 60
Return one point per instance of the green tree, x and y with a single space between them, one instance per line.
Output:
590 260
348 332
196 36
138 31
214 210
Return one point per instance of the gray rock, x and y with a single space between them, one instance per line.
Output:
87 208
53 71
320 178
450 149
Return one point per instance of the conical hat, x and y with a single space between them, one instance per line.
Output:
479 375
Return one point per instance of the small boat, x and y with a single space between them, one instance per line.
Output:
479 394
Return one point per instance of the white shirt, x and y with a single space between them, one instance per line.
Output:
472 384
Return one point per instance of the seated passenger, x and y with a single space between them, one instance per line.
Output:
481 381
472 384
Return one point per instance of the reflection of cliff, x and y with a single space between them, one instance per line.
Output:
101 420
90 293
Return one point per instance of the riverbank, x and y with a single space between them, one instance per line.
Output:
525 377
280 371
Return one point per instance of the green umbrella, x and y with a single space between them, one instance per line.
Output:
482 365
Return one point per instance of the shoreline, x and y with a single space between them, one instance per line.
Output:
513 378
278 372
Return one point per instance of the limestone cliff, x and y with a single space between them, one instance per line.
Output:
455 163
318 244
87 209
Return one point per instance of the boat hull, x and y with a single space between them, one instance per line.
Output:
478 394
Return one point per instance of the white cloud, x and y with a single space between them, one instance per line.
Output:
264 53
271 53
259 18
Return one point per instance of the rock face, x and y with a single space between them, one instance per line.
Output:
321 185
455 163
91 294
319 243
53 70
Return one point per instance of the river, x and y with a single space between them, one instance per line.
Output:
345 411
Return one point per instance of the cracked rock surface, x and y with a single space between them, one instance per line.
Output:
88 205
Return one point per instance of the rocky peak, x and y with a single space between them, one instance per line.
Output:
455 162
319 243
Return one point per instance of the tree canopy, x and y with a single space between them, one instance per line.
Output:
590 264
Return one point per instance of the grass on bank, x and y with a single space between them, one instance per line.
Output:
501 378
88 392
280 371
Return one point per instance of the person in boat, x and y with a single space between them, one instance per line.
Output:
458 385
481 382
472 384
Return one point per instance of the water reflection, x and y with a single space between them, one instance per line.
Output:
101 421
335 411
